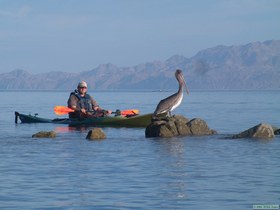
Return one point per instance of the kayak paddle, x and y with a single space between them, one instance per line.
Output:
62 110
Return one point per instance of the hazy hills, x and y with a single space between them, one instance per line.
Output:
251 66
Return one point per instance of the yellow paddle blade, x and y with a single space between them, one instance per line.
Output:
130 112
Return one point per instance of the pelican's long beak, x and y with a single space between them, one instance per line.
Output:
184 82
187 89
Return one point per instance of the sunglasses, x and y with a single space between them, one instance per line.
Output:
83 87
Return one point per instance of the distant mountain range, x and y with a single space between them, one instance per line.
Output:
251 66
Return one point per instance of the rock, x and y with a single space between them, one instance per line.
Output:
96 134
168 129
200 127
177 126
159 128
259 131
181 125
180 118
44 134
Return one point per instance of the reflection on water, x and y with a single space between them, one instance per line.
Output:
66 129
171 155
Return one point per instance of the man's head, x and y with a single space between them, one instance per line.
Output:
82 84
82 87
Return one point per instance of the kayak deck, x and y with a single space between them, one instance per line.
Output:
112 121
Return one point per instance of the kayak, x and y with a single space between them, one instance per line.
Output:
111 121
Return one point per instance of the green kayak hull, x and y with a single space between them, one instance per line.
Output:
112 121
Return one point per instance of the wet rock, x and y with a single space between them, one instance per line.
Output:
177 125
181 125
259 131
44 134
161 129
96 134
200 127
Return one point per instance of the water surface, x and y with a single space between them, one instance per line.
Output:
129 171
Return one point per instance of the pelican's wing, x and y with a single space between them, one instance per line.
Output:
165 105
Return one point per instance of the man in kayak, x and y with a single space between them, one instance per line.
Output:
84 104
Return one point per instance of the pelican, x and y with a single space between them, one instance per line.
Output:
170 103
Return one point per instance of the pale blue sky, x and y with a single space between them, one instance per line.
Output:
78 35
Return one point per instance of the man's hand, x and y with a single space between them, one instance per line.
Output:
83 111
79 110
99 109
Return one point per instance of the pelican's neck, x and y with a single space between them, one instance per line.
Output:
181 88
178 101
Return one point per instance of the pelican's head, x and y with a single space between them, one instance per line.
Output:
180 77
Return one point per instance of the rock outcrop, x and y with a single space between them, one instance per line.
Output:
44 134
96 134
264 131
178 125
200 127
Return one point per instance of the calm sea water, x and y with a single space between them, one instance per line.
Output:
129 171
